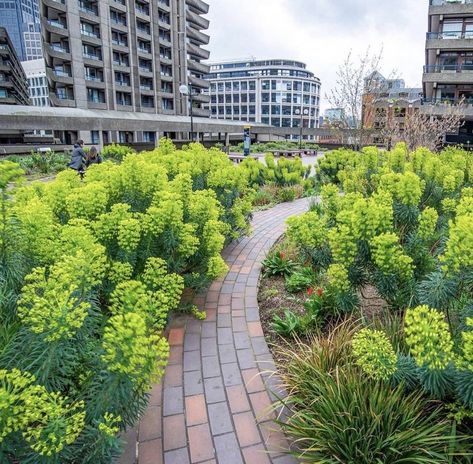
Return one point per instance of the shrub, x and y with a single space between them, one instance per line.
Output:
337 415
116 151
89 272
277 264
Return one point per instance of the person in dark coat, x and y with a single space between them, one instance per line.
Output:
78 160
93 157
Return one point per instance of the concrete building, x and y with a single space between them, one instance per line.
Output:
22 21
13 84
280 93
35 71
385 99
126 55
448 76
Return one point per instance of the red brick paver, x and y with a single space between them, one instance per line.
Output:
213 405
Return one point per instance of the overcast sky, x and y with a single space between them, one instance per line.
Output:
321 33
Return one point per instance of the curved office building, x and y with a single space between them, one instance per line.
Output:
281 93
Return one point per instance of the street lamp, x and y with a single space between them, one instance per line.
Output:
298 112
187 91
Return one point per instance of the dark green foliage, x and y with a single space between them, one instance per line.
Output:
407 373
464 387
437 290
289 325
278 264
301 280
438 383
405 218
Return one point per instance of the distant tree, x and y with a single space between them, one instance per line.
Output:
356 78
424 126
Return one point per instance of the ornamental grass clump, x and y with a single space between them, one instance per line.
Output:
338 414
89 273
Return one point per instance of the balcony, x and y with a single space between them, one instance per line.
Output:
199 83
198 51
88 8
199 5
448 74
59 5
91 56
198 36
58 51
449 7
144 51
199 67
54 26
452 40
200 22
144 33
164 5
63 100
57 75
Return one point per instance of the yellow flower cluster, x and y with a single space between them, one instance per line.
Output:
130 350
374 354
337 277
428 337
388 255
110 425
427 223
51 305
459 251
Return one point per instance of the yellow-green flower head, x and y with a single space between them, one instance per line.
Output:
374 354
14 386
427 223
110 425
54 424
51 305
337 276
428 337
131 351
459 250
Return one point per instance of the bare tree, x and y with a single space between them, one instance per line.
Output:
356 78
424 126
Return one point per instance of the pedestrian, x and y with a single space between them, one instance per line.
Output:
93 157
78 159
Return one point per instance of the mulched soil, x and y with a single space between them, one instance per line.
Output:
274 299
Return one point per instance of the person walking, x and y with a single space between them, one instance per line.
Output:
93 157
78 159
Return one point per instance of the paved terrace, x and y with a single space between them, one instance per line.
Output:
214 403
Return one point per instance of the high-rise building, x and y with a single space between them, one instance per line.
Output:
126 55
13 84
448 75
280 93
22 21
35 71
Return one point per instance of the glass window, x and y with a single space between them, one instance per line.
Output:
244 85
220 86
236 86
95 137
228 86
265 109
228 98
252 97
275 109
244 98
236 98
252 85
276 122
265 85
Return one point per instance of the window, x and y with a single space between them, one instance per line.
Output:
95 96
123 99
236 86
95 137
149 137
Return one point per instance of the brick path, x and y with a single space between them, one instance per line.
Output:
213 403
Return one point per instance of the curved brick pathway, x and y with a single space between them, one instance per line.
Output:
213 403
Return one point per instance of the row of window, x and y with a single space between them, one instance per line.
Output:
266 98
123 137
278 85
265 110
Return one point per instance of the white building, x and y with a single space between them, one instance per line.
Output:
280 93
35 71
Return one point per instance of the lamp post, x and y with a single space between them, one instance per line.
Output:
187 91
303 113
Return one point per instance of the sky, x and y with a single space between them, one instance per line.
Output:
321 33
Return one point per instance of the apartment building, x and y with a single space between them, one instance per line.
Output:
13 83
280 93
35 71
448 70
126 55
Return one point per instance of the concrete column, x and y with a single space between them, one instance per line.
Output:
227 139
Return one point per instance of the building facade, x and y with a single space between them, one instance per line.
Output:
126 55
280 93
13 83
387 101
35 71
448 76
22 21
